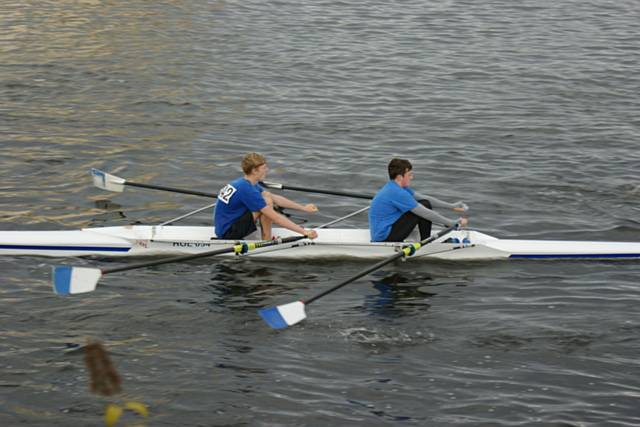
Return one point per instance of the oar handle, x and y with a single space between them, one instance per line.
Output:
411 249
315 190
171 189
239 248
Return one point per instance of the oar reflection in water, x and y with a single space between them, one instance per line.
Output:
398 295
244 286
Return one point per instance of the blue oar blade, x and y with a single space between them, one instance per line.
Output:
283 316
69 280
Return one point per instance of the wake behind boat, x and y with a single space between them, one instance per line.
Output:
169 240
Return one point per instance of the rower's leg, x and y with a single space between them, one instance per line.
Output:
241 228
401 229
424 225
265 223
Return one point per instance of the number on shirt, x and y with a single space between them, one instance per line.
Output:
226 193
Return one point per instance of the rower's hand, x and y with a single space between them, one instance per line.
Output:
310 208
463 222
311 234
460 207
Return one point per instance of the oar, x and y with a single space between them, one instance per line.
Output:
76 280
109 182
315 190
286 315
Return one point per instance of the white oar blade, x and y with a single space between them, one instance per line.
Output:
69 280
283 316
272 185
107 181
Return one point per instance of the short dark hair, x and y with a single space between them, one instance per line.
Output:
398 167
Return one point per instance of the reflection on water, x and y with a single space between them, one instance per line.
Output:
243 284
398 295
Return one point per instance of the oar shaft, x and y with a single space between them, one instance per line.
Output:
356 277
316 190
380 264
167 261
235 248
171 189
115 183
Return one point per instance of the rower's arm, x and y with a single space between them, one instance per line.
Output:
437 203
282 220
432 216
283 202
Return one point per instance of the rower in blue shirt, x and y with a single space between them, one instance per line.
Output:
396 209
243 201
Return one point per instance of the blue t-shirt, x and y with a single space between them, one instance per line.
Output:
389 204
236 198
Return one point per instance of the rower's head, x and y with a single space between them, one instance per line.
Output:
400 171
254 163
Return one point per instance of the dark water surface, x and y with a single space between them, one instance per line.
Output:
528 111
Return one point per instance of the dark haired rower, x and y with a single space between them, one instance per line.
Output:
396 209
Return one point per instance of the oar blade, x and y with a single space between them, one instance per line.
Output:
106 181
283 316
69 280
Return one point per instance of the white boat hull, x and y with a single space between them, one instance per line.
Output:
334 243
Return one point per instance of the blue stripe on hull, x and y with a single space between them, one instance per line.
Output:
581 256
65 248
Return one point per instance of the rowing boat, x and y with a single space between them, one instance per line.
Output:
170 240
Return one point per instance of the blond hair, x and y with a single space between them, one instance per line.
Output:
252 161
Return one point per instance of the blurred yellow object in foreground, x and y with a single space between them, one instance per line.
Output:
105 381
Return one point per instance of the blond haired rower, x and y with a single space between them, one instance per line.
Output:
243 201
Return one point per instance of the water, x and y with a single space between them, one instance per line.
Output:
528 112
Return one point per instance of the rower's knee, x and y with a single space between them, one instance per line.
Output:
268 198
426 203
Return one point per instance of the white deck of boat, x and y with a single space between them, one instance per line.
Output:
140 240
